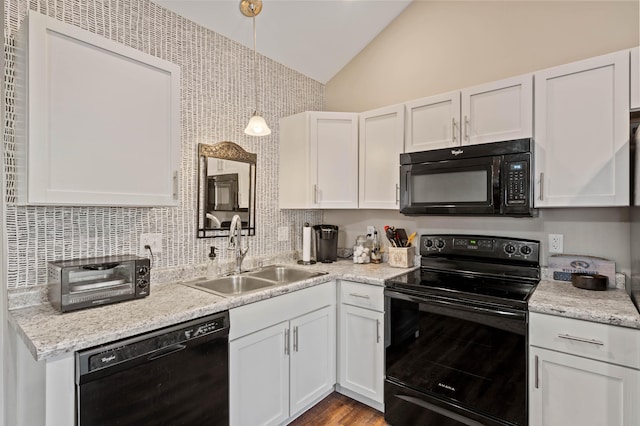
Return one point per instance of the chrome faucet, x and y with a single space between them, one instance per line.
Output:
235 242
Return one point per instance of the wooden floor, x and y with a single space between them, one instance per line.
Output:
339 410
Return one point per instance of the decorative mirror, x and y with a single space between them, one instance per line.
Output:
226 187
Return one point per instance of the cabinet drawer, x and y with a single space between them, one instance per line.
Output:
363 295
617 345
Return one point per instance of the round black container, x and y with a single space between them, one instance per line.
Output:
590 281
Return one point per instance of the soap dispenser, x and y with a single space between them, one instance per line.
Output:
212 266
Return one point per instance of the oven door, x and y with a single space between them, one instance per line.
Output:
461 186
454 363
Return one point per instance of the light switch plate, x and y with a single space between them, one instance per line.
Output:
283 233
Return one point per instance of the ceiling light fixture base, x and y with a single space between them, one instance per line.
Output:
250 8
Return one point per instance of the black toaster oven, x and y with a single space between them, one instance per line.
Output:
83 283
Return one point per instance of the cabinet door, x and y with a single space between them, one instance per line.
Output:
635 78
582 133
361 357
334 140
313 357
259 377
381 143
433 122
498 111
571 390
103 120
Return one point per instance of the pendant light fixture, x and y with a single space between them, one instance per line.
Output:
257 125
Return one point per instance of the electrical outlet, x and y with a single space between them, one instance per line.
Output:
371 230
154 241
556 243
283 233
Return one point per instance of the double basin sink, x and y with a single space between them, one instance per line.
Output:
248 282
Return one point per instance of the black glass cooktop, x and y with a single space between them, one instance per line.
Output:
472 287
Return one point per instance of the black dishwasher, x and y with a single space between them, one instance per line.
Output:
177 375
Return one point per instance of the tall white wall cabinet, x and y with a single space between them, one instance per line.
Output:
318 160
381 143
582 133
101 120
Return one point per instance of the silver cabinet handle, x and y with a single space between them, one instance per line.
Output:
295 338
535 379
541 185
397 193
175 185
580 339
315 194
466 128
377 331
453 129
286 341
362 296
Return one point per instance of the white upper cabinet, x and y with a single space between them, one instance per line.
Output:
381 143
497 111
319 160
635 78
101 123
433 122
582 133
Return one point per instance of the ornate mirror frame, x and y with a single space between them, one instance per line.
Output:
208 227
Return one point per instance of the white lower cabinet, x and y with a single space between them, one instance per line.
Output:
582 373
282 356
361 343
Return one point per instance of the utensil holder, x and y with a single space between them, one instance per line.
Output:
401 257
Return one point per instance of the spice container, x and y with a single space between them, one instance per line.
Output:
362 250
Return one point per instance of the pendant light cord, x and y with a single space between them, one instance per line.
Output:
255 59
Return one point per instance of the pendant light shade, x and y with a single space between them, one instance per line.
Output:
257 125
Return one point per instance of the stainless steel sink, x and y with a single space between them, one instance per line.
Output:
231 285
284 274
271 276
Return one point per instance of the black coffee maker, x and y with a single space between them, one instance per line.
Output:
326 237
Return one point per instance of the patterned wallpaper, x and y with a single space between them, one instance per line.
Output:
217 100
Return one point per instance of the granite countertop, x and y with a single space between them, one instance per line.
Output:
48 333
612 306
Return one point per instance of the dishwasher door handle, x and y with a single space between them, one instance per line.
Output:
166 351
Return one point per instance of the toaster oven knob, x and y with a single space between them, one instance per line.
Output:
143 270
142 283
428 244
440 244
509 249
526 250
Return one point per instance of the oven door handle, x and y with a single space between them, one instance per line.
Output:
519 315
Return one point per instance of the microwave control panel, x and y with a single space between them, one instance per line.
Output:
517 186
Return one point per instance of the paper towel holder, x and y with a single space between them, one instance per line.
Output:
308 241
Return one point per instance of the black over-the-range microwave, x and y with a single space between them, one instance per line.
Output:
493 179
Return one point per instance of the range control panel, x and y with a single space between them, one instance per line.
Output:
480 246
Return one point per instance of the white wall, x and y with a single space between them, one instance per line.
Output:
437 46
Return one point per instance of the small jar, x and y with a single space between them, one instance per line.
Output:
362 250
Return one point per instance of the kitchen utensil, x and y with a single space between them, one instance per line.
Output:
390 236
402 237
590 281
410 239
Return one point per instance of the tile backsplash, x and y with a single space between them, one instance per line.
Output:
217 100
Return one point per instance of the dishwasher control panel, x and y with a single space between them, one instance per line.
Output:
152 345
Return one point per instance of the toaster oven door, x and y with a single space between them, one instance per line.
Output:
462 186
93 285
